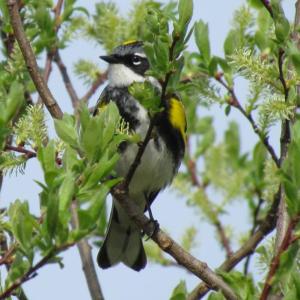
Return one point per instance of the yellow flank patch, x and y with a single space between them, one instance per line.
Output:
102 106
177 116
129 42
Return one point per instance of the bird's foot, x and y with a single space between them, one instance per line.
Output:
154 228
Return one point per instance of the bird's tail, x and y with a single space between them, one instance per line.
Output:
122 243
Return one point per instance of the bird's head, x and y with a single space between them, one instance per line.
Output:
127 64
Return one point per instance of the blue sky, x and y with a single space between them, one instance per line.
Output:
119 282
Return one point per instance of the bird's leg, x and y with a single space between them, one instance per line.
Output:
154 222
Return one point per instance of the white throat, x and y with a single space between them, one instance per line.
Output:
120 75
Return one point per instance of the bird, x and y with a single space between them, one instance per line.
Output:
161 159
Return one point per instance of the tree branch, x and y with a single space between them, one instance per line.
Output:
30 60
67 81
168 245
87 259
285 139
267 226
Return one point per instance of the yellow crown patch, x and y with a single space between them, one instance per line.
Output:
129 42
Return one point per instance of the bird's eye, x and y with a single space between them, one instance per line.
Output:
136 60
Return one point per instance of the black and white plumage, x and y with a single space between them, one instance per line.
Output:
160 160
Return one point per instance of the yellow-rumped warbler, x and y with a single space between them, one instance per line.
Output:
160 161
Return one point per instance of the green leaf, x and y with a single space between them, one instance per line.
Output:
288 261
294 157
84 115
17 269
66 130
232 141
94 142
294 55
66 191
147 95
100 170
291 191
202 40
111 118
51 218
242 285
22 224
180 291
161 49
97 202
92 137
296 132
216 296
255 3
71 162
294 292
185 10
227 110
47 158
43 18
14 101
259 161
232 42
282 25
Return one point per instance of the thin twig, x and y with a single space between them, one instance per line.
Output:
28 153
19 149
266 226
30 60
87 259
94 87
236 103
67 81
286 242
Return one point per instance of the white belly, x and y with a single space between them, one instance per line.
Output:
156 168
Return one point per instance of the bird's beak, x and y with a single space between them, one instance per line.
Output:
111 59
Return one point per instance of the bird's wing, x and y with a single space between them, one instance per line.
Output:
102 101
